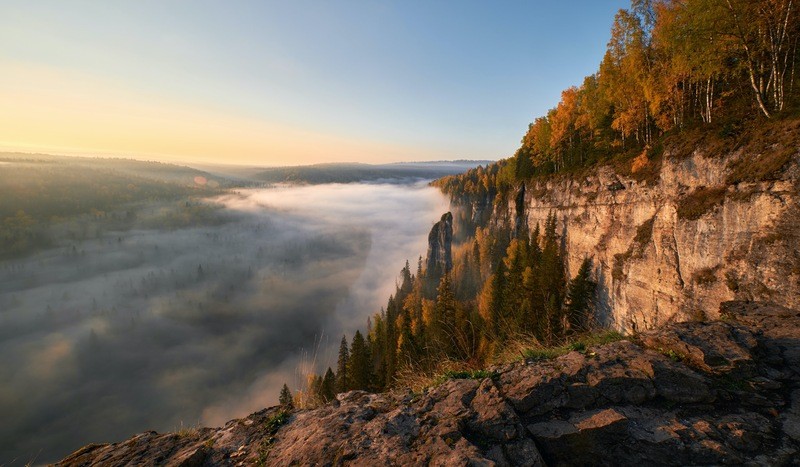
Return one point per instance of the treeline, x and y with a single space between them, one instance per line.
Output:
670 65
504 286
39 193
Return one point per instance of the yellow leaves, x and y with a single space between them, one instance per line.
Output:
640 161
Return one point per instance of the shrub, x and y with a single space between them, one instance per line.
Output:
699 202
705 276
618 270
644 234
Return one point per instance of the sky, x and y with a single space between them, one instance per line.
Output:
286 83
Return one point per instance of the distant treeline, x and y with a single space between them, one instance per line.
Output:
352 173
37 192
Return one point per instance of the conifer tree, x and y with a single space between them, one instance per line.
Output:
342 378
359 363
579 298
328 391
443 323
285 399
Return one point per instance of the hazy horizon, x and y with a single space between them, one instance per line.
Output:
276 83
194 163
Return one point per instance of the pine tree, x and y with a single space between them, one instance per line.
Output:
359 364
328 391
285 399
579 298
443 323
342 378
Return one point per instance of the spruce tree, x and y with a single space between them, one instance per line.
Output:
328 386
285 399
444 316
359 364
579 298
342 378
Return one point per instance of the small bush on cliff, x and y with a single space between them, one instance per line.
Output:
271 427
705 276
699 202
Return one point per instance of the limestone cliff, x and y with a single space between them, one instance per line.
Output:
675 244
439 258
722 392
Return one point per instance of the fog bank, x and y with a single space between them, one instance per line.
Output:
147 329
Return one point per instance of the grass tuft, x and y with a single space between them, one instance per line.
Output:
272 425
580 344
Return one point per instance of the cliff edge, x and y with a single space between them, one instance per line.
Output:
718 392
674 232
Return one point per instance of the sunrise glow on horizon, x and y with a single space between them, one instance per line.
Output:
282 84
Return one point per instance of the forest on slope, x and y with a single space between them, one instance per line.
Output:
44 197
676 73
674 70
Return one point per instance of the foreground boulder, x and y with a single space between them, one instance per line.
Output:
724 392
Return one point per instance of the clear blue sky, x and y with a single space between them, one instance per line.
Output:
290 81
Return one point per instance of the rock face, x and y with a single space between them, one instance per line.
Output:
676 245
720 392
440 240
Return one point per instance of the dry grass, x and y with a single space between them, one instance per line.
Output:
767 147
418 378
761 167
580 343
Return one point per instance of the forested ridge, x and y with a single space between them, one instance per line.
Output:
38 191
674 70
675 73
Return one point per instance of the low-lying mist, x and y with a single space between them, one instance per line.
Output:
155 329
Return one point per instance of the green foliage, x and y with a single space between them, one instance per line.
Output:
580 295
359 372
40 192
342 378
673 355
673 71
271 427
328 387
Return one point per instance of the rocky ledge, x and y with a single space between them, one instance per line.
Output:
721 392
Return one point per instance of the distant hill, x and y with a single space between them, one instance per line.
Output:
151 170
353 172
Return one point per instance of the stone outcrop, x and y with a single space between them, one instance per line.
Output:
719 392
440 241
675 244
